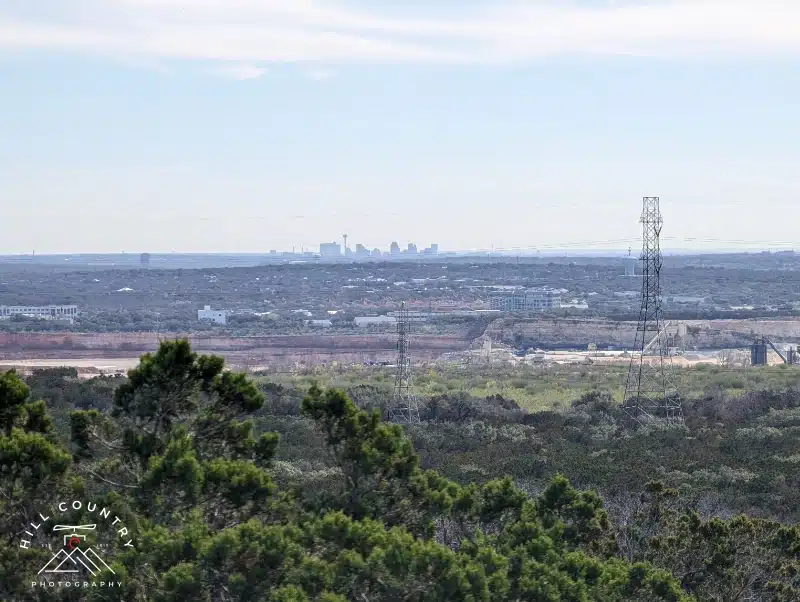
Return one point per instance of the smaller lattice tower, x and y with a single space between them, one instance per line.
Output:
465 369
404 407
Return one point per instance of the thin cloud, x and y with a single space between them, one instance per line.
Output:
241 71
247 32
320 75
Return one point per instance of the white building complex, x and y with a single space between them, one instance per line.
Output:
525 300
42 312
217 316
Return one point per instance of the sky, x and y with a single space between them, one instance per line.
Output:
249 125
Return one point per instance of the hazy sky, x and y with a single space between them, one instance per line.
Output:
248 125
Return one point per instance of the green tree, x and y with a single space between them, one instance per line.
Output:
33 468
177 439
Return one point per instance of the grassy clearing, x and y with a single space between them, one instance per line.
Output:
541 388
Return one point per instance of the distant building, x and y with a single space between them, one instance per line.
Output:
412 248
374 320
362 251
330 249
574 304
320 323
144 260
525 300
394 249
217 316
413 316
630 268
44 312
376 252
682 300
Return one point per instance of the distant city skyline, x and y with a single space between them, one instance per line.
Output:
131 258
172 125
344 250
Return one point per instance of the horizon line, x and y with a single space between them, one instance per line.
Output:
532 253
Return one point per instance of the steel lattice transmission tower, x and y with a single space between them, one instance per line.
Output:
650 390
404 407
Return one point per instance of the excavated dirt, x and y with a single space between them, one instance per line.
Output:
267 350
102 348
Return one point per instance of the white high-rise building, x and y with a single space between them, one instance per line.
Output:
330 249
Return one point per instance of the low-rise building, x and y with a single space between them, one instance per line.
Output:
218 316
374 320
42 312
575 304
525 300
320 323
684 300
413 316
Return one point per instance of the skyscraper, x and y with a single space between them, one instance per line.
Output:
330 249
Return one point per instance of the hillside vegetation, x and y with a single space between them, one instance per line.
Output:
259 490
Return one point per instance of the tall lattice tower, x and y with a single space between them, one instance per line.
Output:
650 390
404 407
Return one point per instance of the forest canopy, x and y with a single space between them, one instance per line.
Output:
177 452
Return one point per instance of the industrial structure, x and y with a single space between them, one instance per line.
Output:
650 390
404 408
758 352
532 299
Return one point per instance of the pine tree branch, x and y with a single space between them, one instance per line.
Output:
97 476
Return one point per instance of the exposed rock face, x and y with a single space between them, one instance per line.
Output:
701 334
543 332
